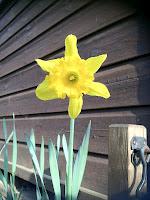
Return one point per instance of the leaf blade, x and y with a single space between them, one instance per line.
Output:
31 148
58 145
54 170
42 157
5 151
65 147
14 152
80 163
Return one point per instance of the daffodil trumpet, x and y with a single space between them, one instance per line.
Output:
72 77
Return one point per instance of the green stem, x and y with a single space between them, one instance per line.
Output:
70 161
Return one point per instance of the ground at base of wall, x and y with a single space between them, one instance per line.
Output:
28 190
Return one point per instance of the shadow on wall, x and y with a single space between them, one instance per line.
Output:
143 72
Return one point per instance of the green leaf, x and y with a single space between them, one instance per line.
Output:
12 187
5 151
38 193
32 139
4 181
31 148
14 152
58 145
54 170
65 150
65 147
80 163
69 171
7 141
34 158
42 157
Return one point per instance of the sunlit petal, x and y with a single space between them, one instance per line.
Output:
45 92
71 46
98 89
49 64
94 63
75 106
71 76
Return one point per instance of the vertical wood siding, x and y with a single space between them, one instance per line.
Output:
37 29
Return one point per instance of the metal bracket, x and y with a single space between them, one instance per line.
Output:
140 155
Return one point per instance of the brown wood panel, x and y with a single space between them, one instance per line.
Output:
5 6
125 91
43 22
53 39
49 126
33 75
13 12
91 179
31 11
27 174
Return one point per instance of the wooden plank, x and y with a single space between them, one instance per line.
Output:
43 22
29 13
127 92
123 181
15 10
96 181
5 7
136 69
122 96
53 39
49 126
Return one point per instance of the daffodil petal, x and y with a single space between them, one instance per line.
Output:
75 106
45 92
94 63
71 46
98 89
49 64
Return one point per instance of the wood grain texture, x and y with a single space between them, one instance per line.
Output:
49 126
28 14
123 179
53 39
43 22
13 12
127 90
5 6
124 49
91 180
50 17
137 69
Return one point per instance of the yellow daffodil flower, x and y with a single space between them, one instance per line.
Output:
71 76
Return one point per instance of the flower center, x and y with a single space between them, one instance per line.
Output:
73 77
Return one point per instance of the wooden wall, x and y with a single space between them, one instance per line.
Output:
32 29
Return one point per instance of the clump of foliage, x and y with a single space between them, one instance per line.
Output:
71 77
77 169
8 190
7 180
